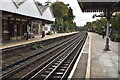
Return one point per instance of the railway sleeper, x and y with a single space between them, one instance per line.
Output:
59 70
59 73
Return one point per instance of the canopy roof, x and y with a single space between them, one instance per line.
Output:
26 8
99 5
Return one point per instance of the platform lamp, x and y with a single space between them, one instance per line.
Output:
107 31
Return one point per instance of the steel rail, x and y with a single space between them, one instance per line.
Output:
45 63
68 58
15 63
42 70
69 68
18 68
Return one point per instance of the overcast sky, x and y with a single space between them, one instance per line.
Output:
81 18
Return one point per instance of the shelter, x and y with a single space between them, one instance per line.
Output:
106 6
99 5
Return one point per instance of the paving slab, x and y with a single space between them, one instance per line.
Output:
80 71
104 64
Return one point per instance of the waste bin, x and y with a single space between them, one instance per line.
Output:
43 34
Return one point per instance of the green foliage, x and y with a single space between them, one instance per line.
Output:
89 24
19 54
1 61
113 37
97 26
66 26
94 27
59 9
63 17
116 22
101 24
117 36
70 14
36 46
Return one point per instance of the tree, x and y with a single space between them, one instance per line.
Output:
59 9
64 17
116 22
89 25
70 13
97 26
66 26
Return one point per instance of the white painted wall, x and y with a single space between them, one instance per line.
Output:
47 28
28 8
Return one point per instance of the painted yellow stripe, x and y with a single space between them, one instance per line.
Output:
31 41
89 61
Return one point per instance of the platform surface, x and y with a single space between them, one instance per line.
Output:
37 38
103 64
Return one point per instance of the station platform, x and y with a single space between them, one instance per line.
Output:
94 62
36 39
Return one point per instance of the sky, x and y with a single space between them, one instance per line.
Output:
80 17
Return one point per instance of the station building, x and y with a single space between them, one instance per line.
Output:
22 16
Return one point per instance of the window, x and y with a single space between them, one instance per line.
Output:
5 26
46 28
51 29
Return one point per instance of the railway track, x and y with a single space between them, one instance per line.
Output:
15 67
59 67
11 55
19 56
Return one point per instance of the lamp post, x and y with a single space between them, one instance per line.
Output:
107 38
108 16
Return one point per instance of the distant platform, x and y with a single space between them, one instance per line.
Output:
36 39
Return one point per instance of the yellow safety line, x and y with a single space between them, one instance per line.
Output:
89 61
19 43
27 42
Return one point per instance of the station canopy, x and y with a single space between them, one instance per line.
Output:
99 5
26 8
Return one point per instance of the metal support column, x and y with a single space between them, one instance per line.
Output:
108 16
107 38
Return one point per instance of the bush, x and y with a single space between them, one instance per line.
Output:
115 37
36 46
112 37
